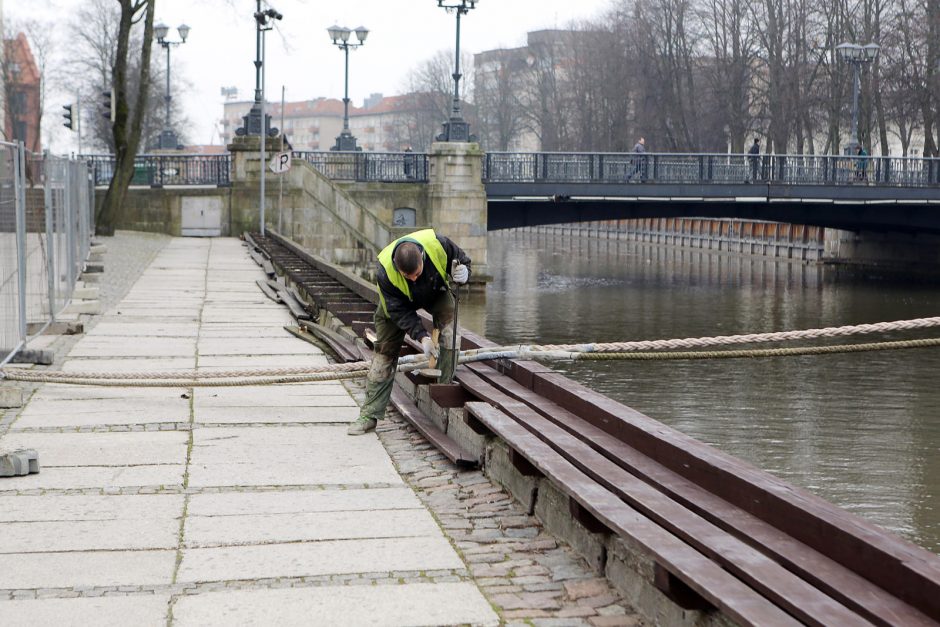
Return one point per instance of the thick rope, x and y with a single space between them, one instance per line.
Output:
721 340
40 377
548 352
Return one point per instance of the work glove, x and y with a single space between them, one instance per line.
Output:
460 274
427 345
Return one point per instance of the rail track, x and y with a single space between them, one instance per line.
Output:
662 512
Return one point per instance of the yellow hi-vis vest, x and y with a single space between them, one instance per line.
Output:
433 249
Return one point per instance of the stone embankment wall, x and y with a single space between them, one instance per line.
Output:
749 237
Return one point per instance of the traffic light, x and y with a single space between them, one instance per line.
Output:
69 124
107 104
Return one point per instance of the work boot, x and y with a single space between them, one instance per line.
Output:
447 364
361 426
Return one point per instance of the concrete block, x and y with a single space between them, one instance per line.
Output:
469 440
98 248
91 277
498 466
10 396
552 508
93 268
19 463
86 293
83 307
631 570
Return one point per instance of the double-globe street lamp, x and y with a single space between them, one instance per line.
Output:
168 138
456 129
264 21
858 56
340 36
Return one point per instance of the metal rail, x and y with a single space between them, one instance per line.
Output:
721 533
365 167
163 170
709 168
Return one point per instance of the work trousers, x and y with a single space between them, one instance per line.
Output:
387 346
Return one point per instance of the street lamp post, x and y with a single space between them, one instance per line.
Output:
252 122
168 138
340 36
856 55
456 129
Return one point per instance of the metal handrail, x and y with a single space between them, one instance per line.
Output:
377 167
709 168
162 170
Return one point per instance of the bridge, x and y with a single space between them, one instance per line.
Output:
885 207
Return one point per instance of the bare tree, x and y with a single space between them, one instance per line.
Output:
499 81
128 124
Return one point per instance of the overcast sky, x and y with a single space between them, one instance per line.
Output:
220 49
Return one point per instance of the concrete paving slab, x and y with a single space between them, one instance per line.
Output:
408 604
90 535
274 317
171 404
174 313
321 455
129 365
87 392
92 412
203 531
138 347
104 449
72 478
59 507
309 559
91 568
303 395
225 362
276 415
256 346
301 501
130 329
225 330
138 610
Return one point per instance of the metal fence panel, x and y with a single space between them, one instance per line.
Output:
12 316
46 222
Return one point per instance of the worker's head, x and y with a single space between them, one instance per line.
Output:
409 260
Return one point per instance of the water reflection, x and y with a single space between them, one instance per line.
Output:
861 430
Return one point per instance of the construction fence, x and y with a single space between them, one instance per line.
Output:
46 224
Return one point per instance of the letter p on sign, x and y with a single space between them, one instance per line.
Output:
280 162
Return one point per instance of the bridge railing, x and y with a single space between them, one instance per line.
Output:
161 170
683 168
379 167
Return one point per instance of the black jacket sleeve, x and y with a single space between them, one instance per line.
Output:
453 252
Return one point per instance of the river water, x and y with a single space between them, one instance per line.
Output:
860 430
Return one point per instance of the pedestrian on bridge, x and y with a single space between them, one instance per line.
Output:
414 272
639 162
754 158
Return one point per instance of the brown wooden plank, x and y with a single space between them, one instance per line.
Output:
794 595
344 349
737 600
857 593
906 571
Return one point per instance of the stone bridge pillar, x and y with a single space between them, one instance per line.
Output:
457 199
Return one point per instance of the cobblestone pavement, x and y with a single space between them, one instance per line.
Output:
530 577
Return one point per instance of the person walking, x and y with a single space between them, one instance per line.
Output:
861 164
414 273
754 158
639 162
408 163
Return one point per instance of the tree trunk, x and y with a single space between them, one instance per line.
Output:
127 125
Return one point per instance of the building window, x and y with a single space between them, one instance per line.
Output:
19 130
